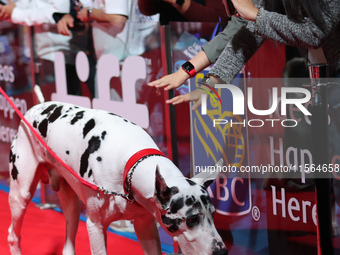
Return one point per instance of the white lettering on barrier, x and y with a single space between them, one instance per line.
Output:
222 191
295 208
7 134
133 70
291 157
221 187
61 84
7 73
233 184
107 67
8 110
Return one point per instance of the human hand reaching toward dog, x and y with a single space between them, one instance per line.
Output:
173 81
194 96
170 81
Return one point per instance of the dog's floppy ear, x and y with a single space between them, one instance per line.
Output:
163 193
206 178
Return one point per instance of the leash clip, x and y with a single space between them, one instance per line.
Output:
129 198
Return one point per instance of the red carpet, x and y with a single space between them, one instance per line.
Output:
43 233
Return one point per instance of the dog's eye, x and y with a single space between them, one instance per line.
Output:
193 221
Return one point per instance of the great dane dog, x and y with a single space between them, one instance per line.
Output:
97 146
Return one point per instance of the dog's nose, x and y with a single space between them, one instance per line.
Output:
223 251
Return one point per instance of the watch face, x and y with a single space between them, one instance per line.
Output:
180 2
189 69
188 66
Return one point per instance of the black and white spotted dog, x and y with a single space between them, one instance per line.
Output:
97 145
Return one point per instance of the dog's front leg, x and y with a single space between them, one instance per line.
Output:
70 205
147 234
97 236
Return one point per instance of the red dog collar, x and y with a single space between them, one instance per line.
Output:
135 158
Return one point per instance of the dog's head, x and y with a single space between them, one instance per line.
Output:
186 212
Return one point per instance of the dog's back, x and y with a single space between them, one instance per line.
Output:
88 139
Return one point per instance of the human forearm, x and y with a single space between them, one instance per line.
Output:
280 28
174 80
32 17
200 61
214 48
26 13
236 54
116 21
100 16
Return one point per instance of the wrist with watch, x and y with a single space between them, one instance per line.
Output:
189 69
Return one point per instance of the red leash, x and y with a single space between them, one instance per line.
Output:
133 160
44 144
